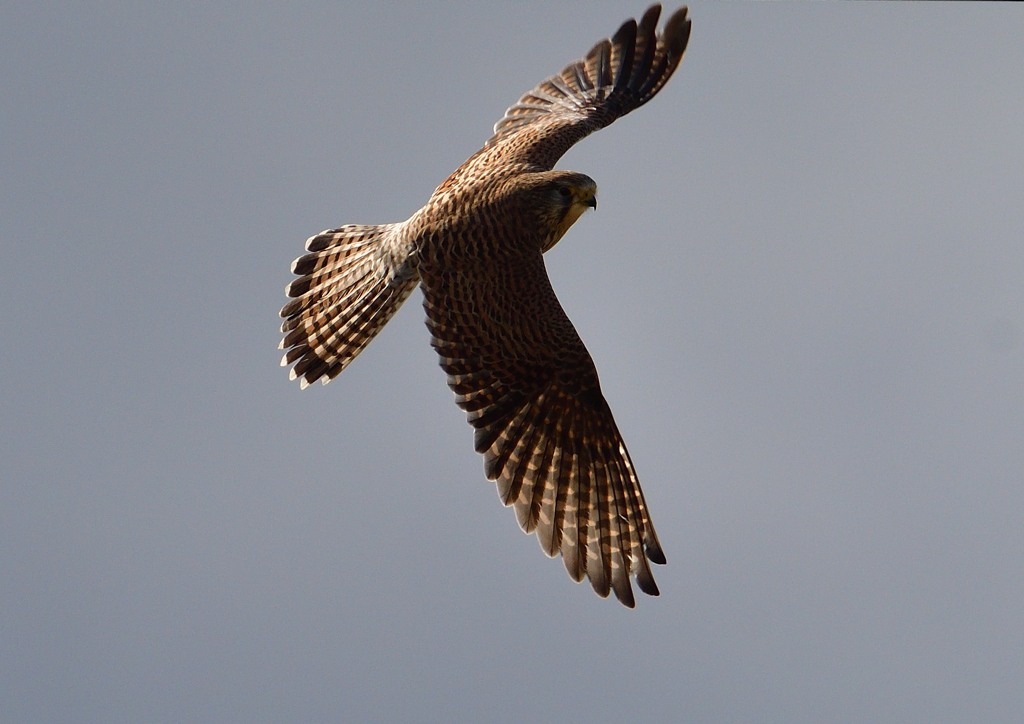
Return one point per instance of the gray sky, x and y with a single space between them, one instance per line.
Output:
803 291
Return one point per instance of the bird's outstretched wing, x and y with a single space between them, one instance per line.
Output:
531 391
615 77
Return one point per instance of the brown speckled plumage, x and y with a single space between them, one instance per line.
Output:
513 358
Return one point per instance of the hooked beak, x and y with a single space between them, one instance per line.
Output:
591 201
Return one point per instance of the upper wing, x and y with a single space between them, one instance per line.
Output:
530 389
615 77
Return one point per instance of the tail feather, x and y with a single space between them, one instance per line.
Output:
350 284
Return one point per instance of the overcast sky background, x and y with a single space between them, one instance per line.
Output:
803 291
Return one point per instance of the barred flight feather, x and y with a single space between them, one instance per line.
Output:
349 286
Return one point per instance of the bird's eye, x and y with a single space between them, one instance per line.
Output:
565 192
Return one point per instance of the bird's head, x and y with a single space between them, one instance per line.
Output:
561 197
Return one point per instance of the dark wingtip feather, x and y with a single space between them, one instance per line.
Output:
571 561
647 43
596 568
654 552
484 437
600 584
649 20
677 32
623 591
623 51
492 464
645 579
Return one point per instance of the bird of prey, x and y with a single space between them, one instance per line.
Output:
513 359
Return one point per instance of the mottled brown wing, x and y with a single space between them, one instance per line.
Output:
531 391
616 77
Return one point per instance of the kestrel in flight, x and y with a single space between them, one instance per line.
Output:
513 359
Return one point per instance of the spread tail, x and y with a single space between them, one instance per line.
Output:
350 284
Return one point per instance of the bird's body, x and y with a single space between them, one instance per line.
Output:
513 358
